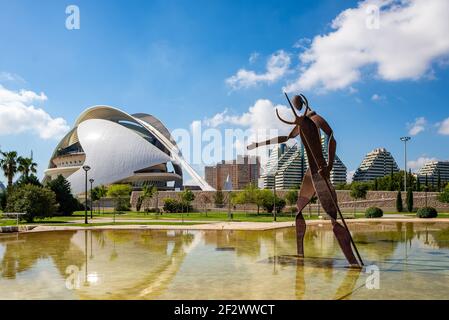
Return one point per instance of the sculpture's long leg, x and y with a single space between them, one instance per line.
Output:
305 195
328 201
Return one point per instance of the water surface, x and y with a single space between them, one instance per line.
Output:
413 262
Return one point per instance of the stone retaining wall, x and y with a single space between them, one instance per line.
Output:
386 200
12 229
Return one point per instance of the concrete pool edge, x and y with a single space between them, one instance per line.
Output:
243 226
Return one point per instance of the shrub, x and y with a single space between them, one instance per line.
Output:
34 201
171 205
427 212
268 202
374 212
175 206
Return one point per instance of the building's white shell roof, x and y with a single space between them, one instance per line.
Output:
115 152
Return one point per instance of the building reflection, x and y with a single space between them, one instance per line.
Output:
23 251
155 264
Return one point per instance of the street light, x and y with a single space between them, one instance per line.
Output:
85 168
91 201
405 139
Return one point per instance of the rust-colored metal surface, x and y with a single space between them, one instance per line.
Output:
316 180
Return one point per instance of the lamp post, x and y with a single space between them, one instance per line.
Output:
85 168
405 139
91 201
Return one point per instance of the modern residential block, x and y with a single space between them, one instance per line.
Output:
376 164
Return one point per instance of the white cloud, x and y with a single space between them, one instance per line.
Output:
352 90
418 126
302 43
262 115
411 35
253 57
10 77
259 124
418 163
277 66
377 97
444 127
18 114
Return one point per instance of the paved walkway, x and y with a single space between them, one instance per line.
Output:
249 226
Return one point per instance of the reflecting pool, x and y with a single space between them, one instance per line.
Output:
412 259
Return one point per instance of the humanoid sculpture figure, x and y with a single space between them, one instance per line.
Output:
316 180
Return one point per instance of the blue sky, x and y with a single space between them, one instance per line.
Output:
173 58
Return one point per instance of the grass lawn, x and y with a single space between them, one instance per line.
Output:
163 223
190 218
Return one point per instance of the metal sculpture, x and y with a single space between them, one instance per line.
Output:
316 180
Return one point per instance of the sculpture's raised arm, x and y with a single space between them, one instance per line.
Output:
275 140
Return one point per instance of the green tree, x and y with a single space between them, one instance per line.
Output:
95 196
269 199
241 198
292 198
34 201
219 198
101 192
444 195
376 184
187 196
146 195
204 200
399 206
409 200
9 165
66 201
251 195
31 179
313 200
358 191
120 193
418 184
26 166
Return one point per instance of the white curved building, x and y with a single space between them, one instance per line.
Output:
120 148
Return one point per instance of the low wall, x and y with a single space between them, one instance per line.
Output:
12 229
386 200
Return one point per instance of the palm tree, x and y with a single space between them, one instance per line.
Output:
147 193
26 166
8 163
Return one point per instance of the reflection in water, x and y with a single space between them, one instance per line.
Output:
161 264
